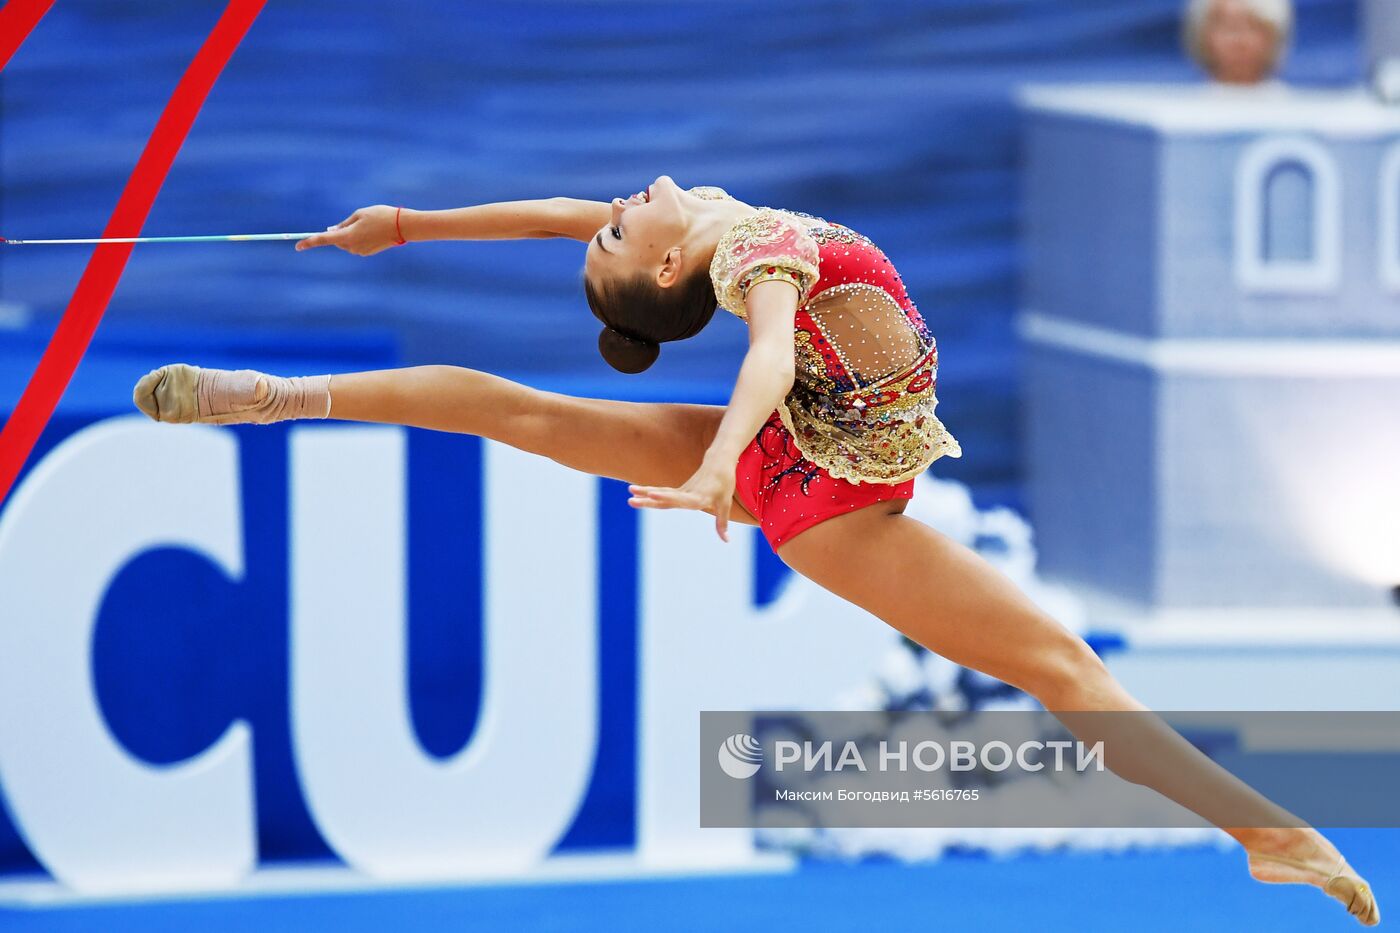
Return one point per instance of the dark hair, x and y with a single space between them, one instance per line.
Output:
638 316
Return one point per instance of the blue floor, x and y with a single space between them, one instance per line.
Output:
1199 890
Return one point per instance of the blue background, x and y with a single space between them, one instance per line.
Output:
895 118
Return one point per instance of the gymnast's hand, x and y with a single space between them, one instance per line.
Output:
710 489
368 231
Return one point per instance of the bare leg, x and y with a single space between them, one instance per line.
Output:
949 599
650 443
936 591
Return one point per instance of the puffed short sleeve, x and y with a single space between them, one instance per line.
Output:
764 246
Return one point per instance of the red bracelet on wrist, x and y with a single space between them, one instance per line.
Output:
397 229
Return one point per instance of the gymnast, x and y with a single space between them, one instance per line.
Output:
830 420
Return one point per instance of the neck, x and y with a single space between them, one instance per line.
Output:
711 220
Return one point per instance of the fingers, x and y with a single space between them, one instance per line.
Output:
661 497
653 497
328 238
320 239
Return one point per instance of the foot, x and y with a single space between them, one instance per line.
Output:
180 394
1304 856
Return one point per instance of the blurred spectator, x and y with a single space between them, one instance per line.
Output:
1382 25
1238 41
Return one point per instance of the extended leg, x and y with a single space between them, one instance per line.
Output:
949 599
650 443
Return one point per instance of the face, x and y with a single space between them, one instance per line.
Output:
1239 46
644 234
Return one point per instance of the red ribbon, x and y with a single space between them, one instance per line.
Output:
89 302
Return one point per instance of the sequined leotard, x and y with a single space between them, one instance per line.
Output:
862 405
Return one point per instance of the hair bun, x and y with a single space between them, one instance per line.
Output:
625 353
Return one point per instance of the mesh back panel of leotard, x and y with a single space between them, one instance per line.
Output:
868 329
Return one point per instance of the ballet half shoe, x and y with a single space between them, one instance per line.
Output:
1343 883
168 394
179 393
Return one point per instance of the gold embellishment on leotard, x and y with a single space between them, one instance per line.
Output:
810 364
885 432
835 233
766 273
757 248
882 431
708 192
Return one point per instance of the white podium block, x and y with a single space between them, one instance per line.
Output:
1211 322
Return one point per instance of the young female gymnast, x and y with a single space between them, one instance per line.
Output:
829 422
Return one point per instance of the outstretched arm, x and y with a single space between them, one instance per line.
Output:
370 230
767 372
765 377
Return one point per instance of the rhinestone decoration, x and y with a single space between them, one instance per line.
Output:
863 401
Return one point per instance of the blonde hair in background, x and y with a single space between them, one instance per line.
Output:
1277 13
